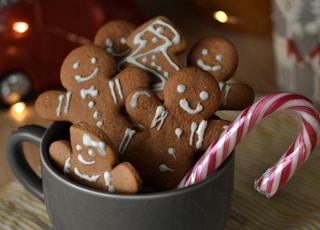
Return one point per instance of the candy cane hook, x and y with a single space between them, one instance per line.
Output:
299 151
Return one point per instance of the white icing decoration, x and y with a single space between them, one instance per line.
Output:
78 147
181 88
116 83
100 124
76 65
93 60
164 168
123 40
184 104
157 28
91 153
92 178
219 57
89 142
66 107
172 152
91 104
92 91
204 51
178 132
96 115
206 67
109 47
193 130
200 131
126 139
227 88
135 96
155 39
204 95
80 78
108 180
160 116
66 167
83 161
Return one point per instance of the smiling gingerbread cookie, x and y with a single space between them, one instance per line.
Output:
219 57
90 159
93 93
112 36
176 130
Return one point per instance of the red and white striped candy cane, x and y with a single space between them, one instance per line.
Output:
276 176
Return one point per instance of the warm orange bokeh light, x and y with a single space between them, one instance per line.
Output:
19 107
220 16
20 27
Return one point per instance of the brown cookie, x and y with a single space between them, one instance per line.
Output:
235 96
113 37
90 159
93 93
218 56
154 47
174 130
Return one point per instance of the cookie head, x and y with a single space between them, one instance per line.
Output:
86 64
155 46
92 151
113 37
216 55
192 92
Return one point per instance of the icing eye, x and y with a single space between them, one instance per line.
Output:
76 65
181 88
219 57
79 147
123 40
109 43
93 60
204 51
204 95
91 153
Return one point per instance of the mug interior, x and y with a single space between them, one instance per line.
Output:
204 205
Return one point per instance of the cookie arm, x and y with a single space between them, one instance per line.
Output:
142 105
132 78
53 105
214 128
235 96
59 152
125 178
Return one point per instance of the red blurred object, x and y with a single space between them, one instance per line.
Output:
33 50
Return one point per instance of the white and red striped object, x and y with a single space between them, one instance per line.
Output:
299 151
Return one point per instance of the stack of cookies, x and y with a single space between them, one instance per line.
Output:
140 114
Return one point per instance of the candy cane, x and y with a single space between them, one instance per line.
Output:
275 177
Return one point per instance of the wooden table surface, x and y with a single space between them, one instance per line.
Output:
256 67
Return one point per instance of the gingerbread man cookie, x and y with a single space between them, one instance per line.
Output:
154 47
219 57
93 93
89 159
176 130
113 37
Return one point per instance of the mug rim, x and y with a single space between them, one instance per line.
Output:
46 162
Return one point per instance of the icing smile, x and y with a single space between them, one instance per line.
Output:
83 161
80 78
184 104
206 67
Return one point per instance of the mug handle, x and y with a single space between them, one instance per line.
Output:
17 161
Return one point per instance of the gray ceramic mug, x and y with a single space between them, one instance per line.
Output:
72 206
